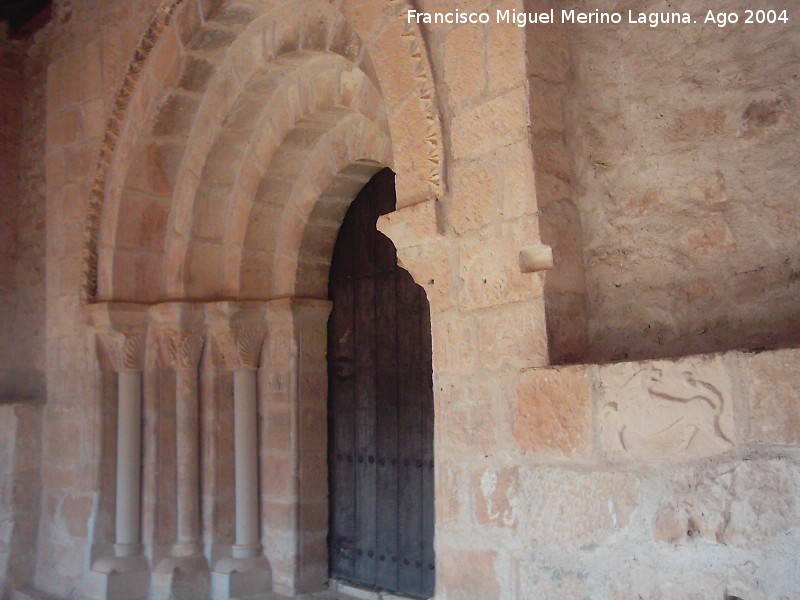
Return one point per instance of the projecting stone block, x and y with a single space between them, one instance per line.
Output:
241 577
117 585
666 409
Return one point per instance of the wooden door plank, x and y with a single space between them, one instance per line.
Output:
408 343
341 381
382 521
365 427
427 417
387 438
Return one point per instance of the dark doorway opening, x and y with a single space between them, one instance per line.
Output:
380 407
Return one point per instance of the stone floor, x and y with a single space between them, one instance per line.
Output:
338 592
348 594
341 591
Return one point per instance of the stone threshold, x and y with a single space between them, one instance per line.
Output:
343 591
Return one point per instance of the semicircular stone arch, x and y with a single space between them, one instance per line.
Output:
248 148
177 103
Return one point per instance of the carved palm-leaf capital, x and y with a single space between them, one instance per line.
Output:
238 348
180 349
122 351
121 334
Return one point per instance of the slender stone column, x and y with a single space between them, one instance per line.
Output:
245 427
236 331
129 461
121 338
180 338
188 451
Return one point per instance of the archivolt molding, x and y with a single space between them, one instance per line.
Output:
232 191
410 101
122 100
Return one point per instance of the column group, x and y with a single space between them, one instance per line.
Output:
139 343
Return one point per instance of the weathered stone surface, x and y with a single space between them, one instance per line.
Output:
672 184
540 581
473 421
666 409
775 396
464 51
552 413
513 337
659 585
488 126
450 476
679 208
599 505
497 497
489 271
469 574
746 505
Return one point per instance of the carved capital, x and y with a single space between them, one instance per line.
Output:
122 351
179 334
180 350
121 330
236 331
239 348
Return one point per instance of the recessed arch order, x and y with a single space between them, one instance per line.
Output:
234 121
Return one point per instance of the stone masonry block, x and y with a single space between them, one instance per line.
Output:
666 409
468 574
775 396
599 505
494 124
552 414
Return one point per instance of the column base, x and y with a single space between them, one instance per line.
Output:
118 578
184 564
181 578
241 577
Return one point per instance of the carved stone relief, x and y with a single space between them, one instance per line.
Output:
666 409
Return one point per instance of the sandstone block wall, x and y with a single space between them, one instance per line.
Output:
20 488
22 235
654 479
683 146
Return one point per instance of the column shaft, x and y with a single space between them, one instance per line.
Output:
246 464
188 455
129 464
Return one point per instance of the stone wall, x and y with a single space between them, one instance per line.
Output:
684 144
658 479
550 80
88 48
22 305
22 277
20 487
655 479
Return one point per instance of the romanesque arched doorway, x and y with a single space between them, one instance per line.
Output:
380 409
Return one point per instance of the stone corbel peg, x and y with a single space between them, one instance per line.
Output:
180 340
533 259
121 339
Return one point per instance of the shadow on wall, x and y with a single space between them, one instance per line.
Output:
22 386
669 191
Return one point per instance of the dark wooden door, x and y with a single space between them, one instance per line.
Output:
380 403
